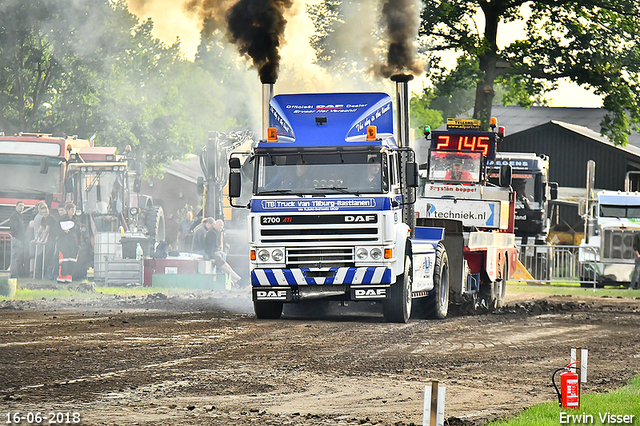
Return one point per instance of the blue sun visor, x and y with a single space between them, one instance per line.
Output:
331 119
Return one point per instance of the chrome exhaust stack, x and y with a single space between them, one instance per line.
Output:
402 102
406 155
267 94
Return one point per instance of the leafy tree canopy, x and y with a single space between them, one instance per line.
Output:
92 68
591 43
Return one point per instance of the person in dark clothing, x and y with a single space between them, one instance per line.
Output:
635 278
184 233
68 244
50 224
198 244
18 235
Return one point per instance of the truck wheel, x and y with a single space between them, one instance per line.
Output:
155 223
268 310
438 302
397 308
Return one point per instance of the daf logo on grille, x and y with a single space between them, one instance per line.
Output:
361 218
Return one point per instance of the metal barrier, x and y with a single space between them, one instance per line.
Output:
5 246
559 263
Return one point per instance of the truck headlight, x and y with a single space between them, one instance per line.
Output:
376 253
277 255
263 255
362 253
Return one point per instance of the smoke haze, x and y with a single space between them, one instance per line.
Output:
255 27
402 21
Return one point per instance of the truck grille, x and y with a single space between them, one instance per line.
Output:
312 234
320 240
617 245
311 257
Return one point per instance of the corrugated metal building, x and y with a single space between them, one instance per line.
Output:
570 137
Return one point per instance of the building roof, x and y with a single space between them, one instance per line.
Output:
584 131
516 119
188 169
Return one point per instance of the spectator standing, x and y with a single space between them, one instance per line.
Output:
68 244
184 233
18 235
40 234
635 278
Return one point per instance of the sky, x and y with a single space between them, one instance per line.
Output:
171 21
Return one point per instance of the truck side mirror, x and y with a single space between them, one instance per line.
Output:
411 171
137 184
504 179
44 166
582 207
200 185
553 190
235 177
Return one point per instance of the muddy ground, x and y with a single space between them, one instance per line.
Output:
203 359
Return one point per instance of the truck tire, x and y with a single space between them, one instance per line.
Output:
437 303
397 307
154 223
268 310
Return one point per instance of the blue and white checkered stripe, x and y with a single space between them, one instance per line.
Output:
352 276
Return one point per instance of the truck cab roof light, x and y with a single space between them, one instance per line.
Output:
372 133
272 134
501 131
493 122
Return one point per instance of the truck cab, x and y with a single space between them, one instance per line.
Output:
530 181
606 254
478 215
326 210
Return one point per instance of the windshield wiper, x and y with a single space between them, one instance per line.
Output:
337 188
276 191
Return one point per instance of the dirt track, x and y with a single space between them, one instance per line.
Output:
203 359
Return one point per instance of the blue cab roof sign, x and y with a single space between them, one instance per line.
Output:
331 119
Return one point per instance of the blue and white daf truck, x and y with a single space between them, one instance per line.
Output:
330 209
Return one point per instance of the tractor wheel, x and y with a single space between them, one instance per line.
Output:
155 223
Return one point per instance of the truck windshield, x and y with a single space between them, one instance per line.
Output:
29 175
103 192
314 173
455 166
631 212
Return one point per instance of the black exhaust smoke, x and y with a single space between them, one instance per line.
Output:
402 19
257 29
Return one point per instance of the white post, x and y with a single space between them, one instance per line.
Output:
581 355
433 408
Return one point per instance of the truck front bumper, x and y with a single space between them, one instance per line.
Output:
322 276
367 283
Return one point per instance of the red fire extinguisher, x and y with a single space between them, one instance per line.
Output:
569 393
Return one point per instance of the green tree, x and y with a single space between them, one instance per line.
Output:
422 115
90 67
592 43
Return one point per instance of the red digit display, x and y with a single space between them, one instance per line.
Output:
485 142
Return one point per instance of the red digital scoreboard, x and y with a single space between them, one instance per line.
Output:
465 140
